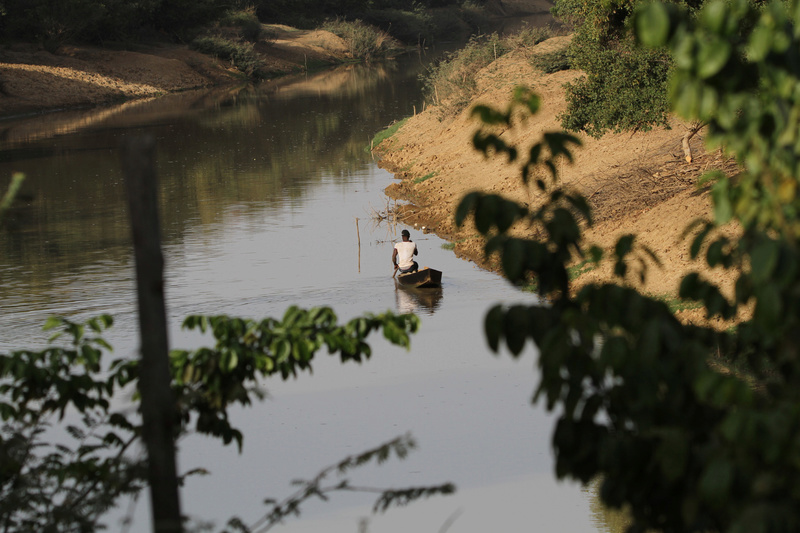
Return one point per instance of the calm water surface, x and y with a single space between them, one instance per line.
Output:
261 189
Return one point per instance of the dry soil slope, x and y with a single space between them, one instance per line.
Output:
636 183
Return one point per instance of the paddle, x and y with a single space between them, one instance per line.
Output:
395 271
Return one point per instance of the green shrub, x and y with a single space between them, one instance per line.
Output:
238 17
241 55
252 31
406 26
364 41
246 20
624 89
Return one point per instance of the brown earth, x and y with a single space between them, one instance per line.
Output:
34 80
636 183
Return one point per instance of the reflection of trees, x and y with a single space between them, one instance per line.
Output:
414 300
248 146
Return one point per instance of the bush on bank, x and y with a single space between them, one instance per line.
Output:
99 21
410 21
53 22
363 40
241 55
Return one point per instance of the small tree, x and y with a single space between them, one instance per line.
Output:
688 427
624 87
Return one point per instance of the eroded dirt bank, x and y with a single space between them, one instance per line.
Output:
34 80
636 183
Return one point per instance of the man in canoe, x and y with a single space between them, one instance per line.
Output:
403 254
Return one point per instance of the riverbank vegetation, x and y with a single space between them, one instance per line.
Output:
241 55
450 84
410 21
54 22
242 33
363 40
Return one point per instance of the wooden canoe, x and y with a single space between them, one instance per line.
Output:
427 277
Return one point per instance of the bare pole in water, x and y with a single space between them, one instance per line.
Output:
358 234
158 403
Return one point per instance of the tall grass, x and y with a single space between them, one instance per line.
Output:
387 132
450 84
364 41
241 55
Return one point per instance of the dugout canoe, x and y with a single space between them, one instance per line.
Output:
425 278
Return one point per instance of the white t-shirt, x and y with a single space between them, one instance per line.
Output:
405 253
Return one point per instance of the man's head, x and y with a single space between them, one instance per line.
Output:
405 234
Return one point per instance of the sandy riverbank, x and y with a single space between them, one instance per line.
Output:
33 80
636 183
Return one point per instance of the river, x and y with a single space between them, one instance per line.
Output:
268 199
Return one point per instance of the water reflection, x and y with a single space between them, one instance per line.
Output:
245 153
419 301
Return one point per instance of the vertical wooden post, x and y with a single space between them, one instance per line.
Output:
358 234
158 404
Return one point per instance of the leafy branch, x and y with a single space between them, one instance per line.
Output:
74 485
314 488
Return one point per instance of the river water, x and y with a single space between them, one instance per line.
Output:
266 193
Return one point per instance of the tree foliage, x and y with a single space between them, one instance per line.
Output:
624 87
68 449
98 21
688 427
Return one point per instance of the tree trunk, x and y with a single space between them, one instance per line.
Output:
687 150
158 404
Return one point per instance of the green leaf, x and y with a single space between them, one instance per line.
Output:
690 287
716 481
515 328
595 254
723 209
763 260
52 322
514 260
714 15
712 55
233 361
493 326
760 43
683 52
715 253
652 24
489 115
525 96
466 207
281 350
768 307
624 246
485 213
